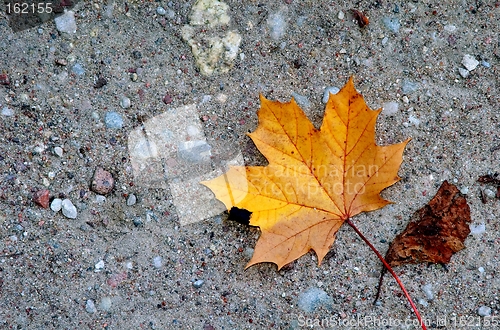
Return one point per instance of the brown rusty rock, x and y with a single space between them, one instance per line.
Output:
102 182
41 197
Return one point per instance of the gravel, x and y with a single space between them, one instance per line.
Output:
68 209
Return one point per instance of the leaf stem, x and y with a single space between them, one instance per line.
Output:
413 306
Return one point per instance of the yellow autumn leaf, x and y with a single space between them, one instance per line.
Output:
315 180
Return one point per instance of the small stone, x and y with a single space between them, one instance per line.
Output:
481 269
4 79
131 200
138 222
464 190
469 62
90 306
7 112
66 22
41 197
409 87
115 279
157 262
102 182
341 15
392 23
113 120
61 62
161 11
100 199
489 193
78 69
428 291
68 209
277 25
405 99
329 90
312 298
390 108
477 229
56 205
301 100
100 82
99 266
484 311
105 304
463 72
450 28
167 99
414 120
125 102
58 151
198 284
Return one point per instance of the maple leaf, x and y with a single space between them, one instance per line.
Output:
316 179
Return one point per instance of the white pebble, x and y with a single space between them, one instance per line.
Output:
90 307
329 90
463 72
450 28
414 120
341 15
428 291
131 200
390 108
406 100
464 190
277 25
484 311
100 199
157 262
481 269
56 205
58 151
66 22
477 229
125 102
68 209
470 62
99 266
312 298
161 11
301 100
489 193
198 284
7 112
105 304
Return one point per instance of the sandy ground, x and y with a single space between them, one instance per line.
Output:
48 273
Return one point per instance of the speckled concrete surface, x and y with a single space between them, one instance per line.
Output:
150 263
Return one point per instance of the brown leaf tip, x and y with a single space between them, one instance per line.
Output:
436 231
